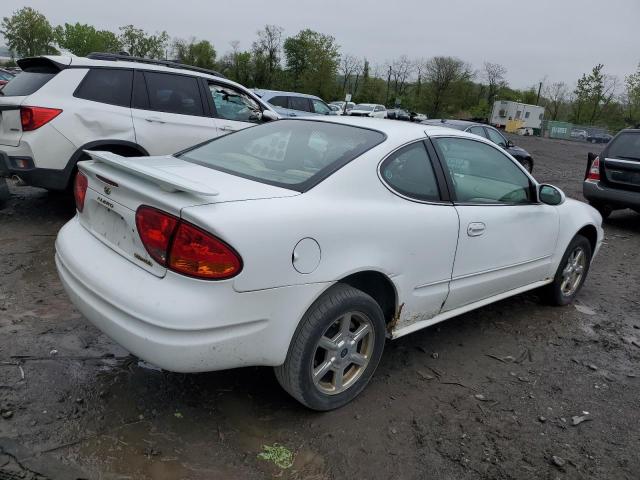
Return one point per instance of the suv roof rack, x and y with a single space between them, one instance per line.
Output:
166 63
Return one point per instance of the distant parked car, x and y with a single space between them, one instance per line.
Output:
398 114
291 104
612 180
418 117
579 133
491 133
340 105
599 138
368 110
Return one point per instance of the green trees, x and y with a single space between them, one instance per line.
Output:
81 39
28 33
632 98
593 93
142 44
197 53
442 73
312 62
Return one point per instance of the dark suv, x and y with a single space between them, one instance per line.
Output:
612 179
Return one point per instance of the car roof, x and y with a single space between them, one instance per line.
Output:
274 93
457 124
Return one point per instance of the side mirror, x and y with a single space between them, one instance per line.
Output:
550 195
510 144
268 116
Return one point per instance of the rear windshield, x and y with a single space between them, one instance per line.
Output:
294 154
625 146
26 83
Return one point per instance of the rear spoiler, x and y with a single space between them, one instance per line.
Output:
165 180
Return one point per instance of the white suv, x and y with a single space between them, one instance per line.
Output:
60 106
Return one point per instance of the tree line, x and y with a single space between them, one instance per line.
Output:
312 62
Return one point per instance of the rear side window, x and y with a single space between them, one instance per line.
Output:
174 93
26 83
279 102
107 85
626 146
409 172
300 103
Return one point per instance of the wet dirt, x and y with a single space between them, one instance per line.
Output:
496 402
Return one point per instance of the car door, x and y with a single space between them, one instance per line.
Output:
429 224
301 106
506 236
496 137
320 107
233 109
169 112
477 130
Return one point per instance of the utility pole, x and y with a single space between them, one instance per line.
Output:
386 99
539 89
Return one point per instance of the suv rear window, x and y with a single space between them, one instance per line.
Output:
625 146
107 85
294 154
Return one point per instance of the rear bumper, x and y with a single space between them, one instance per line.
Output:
595 192
47 153
178 323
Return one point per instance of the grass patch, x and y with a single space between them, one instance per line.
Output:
280 455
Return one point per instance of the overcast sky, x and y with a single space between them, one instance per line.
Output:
535 39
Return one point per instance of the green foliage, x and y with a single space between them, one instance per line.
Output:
28 33
280 455
593 93
632 94
81 39
141 44
199 54
312 63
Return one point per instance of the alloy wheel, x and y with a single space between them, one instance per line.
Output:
573 272
342 353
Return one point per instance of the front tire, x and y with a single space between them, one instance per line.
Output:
335 349
571 273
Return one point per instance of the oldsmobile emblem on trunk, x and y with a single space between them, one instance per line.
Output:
107 191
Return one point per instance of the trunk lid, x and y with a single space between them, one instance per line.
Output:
117 186
622 173
10 124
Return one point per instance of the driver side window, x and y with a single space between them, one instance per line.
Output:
496 138
483 174
232 104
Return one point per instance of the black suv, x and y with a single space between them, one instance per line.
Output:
612 179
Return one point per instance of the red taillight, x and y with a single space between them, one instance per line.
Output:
199 254
156 229
80 190
594 171
33 118
185 248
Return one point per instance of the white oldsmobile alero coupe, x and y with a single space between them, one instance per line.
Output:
303 244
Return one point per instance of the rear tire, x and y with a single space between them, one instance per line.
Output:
571 273
527 164
4 193
343 331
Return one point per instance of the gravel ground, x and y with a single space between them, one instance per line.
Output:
513 390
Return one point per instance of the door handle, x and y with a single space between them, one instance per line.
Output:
292 114
154 120
475 229
228 128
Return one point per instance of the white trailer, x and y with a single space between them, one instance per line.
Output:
504 110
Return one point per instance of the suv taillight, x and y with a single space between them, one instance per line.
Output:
33 118
594 171
185 248
80 190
